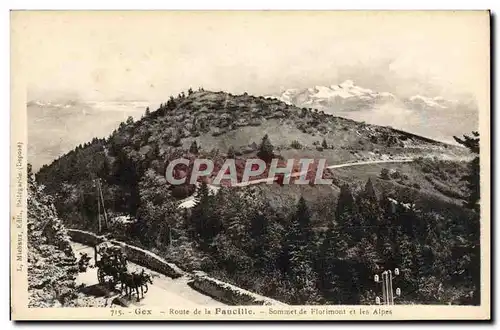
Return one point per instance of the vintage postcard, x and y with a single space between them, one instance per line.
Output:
250 165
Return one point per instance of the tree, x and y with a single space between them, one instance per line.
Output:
324 144
231 153
473 202
472 179
29 175
156 212
265 149
384 174
130 120
171 104
299 251
148 112
194 148
369 211
299 236
190 91
204 225
345 203
330 267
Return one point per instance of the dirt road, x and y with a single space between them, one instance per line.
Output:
165 292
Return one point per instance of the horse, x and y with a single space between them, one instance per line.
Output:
83 263
134 280
145 278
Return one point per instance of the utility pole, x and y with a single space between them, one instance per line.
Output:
387 290
170 236
103 207
98 207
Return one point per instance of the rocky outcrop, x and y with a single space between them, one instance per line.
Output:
51 262
52 265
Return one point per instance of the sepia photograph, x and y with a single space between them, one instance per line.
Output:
250 165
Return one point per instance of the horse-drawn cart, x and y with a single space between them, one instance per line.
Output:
110 262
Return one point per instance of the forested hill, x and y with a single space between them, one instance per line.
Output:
298 244
219 123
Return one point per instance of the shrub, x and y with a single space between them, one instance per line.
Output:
384 174
296 144
183 191
394 174
230 152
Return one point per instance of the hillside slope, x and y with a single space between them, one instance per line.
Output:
52 265
217 122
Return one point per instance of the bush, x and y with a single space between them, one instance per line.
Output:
183 191
384 174
394 174
296 144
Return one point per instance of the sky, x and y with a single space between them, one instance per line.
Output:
151 55
148 56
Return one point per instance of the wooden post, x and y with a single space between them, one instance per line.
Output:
98 208
391 293
170 236
103 207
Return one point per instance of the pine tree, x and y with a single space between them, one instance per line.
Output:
130 120
265 149
472 179
324 145
155 212
299 252
369 208
204 225
231 153
330 266
190 91
345 203
194 148
297 247
147 113
171 104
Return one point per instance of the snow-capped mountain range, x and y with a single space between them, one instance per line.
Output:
348 96
434 117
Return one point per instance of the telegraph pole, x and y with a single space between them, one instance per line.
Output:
98 207
103 207
386 279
